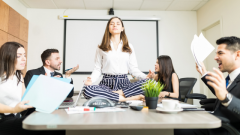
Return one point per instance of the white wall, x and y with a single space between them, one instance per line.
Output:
18 6
176 30
220 18
225 11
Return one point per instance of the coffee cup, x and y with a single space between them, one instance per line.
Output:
170 104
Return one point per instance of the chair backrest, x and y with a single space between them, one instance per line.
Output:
186 86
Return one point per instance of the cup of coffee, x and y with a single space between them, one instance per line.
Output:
170 104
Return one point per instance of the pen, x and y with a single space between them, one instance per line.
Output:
82 109
68 69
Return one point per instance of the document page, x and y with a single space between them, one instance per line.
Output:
47 93
200 48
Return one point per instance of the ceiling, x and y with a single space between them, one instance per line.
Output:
162 5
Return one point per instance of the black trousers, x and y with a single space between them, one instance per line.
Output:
217 131
12 125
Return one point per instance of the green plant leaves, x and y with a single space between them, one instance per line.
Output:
152 88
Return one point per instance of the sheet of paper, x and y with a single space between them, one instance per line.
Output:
47 93
108 109
194 42
200 48
203 49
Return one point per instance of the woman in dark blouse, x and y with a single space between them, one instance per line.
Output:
167 76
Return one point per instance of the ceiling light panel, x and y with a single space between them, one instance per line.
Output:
70 4
48 4
127 4
155 4
98 4
183 5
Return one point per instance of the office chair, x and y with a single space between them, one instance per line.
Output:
208 104
226 125
185 88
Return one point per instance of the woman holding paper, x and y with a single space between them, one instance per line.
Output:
114 58
12 88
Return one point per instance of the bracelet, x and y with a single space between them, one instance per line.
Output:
169 94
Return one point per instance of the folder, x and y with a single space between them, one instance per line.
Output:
47 93
34 78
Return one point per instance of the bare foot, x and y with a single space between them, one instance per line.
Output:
120 92
122 98
137 97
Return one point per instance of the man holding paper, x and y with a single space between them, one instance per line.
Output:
51 62
226 90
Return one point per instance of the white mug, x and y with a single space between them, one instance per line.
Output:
170 104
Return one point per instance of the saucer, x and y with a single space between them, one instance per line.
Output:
160 109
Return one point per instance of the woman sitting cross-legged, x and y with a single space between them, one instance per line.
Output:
166 75
114 58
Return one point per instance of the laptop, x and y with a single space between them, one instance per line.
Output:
71 104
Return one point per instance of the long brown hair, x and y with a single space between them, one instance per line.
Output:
165 70
105 45
8 59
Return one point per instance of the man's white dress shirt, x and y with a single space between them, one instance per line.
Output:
233 75
116 62
48 73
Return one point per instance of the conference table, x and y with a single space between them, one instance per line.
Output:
127 122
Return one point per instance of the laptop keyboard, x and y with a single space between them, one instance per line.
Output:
67 103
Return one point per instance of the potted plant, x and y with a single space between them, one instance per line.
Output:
152 89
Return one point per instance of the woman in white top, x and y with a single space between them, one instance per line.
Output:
12 88
115 57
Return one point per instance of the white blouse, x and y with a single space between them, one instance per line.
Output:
10 92
116 62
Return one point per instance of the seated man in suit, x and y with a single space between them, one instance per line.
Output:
51 62
227 91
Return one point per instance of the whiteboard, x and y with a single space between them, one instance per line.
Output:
82 37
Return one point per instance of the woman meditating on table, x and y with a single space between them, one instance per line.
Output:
166 75
114 58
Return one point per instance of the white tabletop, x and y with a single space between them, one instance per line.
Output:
129 119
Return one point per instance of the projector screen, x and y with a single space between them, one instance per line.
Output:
82 37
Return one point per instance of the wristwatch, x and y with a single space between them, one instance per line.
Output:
227 100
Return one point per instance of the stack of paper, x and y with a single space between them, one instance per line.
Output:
47 93
201 48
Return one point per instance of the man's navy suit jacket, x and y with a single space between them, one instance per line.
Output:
41 71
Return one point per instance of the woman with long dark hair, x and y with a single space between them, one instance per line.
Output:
115 57
167 76
12 88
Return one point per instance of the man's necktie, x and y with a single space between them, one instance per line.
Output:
52 74
227 80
